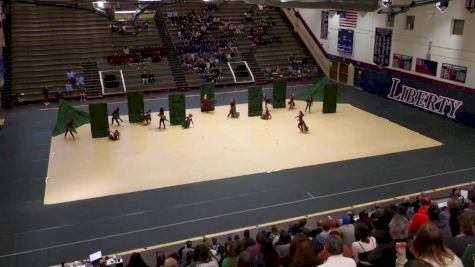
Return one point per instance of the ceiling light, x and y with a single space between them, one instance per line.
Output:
442 5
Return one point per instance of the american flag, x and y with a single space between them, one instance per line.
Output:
348 19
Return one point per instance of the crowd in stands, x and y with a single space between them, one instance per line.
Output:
412 233
198 49
128 55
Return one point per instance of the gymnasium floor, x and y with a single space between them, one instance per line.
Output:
34 234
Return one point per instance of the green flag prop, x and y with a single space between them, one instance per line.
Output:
67 112
254 107
317 92
278 93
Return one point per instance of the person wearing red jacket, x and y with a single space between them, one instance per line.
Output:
420 217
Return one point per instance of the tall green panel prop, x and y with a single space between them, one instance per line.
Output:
208 89
329 98
255 101
176 102
136 107
279 93
99 120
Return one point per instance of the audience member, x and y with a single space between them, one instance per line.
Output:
68 87
267 256
429 246
433 213
334 246
247 241
304 256
254 250
347 229
136 261
323 255
466 236
363 245
420 217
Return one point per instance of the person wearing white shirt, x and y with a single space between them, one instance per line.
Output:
334 247
68 87
71 75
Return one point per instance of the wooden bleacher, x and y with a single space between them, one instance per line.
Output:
48 41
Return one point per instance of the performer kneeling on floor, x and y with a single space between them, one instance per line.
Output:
116 116
292 101
302 126
232 111
70 128
266 115
148 117
163 118
309 104
188 121
114 136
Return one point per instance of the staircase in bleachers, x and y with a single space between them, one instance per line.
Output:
173 61
248 56
48 41
91 78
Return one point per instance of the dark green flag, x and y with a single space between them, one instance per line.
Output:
67 112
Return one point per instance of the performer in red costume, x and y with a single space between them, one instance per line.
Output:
292 101
232 111
302 126
116 116
70 128
148 117
163 118
114 136
266 100
188 121
207 105
266 115
309 104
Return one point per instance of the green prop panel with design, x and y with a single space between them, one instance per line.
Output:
208 89
255 101
279 93
329 98
99 120
177 105
136 107
67 112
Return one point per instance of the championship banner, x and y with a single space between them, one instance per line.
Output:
402 62
453 73
324 25
345 41
425 66
382 46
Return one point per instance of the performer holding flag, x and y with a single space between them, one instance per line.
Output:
70 128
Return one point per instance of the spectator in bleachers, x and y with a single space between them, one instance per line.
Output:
466 236
247 241
136 261
385 253
283 245
435 218
304 256
334 247
323 255
266 256
254 250
348 230
429 246
71 75
170 262
244 260
205 258
184 252
363 245
232 252
68 87
45 93
80 81
420 217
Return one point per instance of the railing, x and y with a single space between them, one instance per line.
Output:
316 51
149 253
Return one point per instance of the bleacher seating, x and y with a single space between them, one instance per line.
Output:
48 40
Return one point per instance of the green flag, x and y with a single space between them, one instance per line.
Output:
67 112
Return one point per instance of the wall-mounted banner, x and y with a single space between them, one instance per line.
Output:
425 66
422 99
324 25
402 62
345 41
382 46
453 73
